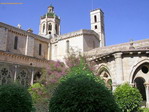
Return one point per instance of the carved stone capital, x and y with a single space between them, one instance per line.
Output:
118 55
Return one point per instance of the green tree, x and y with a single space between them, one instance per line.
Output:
15 98
81 91
128 98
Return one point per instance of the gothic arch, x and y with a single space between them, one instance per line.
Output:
103 72
139 78
103 67
23 76
135 67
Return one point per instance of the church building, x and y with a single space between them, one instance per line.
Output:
23 54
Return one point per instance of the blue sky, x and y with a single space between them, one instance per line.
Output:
124 19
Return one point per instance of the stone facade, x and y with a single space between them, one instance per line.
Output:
23 54
118 64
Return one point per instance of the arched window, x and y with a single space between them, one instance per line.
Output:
43 28
50 27
40 48
16 42
23 77
67 46
95 18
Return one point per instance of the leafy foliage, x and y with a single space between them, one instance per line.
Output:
14 98
81 91
37 91
143 110
40 97
128 98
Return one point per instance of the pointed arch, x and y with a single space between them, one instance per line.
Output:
104 73
135 67
23 75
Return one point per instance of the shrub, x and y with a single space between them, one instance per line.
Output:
128 98
81 91
14 98
38 92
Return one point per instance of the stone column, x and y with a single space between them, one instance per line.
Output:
147 94
15 72
32 77
119 68
48 57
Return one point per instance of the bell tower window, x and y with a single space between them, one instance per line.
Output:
50 27
43 28
16 42
95 18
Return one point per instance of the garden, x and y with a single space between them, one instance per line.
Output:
70 87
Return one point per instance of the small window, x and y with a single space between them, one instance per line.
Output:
95 18
95 26
50 27
40 49
43 28
16 42
67 46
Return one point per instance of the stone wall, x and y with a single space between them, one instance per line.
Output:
3 38
90 42
21 45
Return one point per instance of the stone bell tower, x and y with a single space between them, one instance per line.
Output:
49 24
97 24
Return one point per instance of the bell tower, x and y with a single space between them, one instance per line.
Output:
97 24
49 24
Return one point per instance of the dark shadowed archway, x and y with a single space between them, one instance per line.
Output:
139 83
37 77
